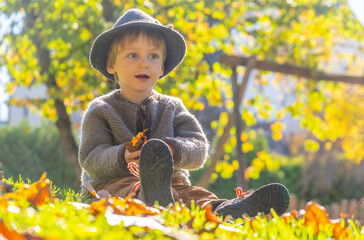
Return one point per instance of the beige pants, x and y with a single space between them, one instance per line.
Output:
122 187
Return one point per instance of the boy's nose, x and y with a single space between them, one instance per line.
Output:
144 62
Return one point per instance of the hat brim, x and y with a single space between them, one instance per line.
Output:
175 45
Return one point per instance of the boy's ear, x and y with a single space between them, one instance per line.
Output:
111 69
162 70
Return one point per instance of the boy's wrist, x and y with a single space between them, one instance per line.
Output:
172 149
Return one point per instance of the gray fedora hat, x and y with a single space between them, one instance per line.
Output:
175 43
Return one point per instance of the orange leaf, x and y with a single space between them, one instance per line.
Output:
136 207
340 232
137 142
98 207
90 188
315 216
210 215
37 193
128 206
287 217
246 219
10 234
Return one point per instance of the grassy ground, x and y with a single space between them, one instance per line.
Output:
39 211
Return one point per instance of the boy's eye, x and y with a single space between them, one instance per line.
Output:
132 55
154 56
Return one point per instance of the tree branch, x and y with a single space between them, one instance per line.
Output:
233 61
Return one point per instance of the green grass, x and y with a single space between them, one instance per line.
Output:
67 217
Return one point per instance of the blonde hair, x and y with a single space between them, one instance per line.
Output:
131 34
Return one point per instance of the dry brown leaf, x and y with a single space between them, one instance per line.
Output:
128 206
37 193
137 142
90 188
135 207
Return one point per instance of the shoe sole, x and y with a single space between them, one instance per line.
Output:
156 172
272 196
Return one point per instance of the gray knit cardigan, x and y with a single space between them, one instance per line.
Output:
111 121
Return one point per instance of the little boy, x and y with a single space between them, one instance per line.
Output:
138 51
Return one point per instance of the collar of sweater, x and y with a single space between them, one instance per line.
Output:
152 97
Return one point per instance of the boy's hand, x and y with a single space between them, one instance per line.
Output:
131 156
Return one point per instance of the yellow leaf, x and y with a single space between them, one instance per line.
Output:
258 164
251 172
247 147
311 145
276 136
277 129
280 114
249 118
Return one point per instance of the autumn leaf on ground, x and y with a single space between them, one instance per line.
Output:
137 142
340 231
100 194
37 193
128 206
9 234
317 216
6 233
287 217
210 216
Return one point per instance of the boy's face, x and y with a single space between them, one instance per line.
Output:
138 66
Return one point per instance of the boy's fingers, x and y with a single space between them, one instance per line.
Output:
131 156
134 155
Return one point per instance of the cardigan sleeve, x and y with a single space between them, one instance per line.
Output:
189 141
98 154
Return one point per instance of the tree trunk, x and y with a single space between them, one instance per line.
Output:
108 11
204 180
240 156
63 122
64 126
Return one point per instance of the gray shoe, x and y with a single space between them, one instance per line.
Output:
155 173
270 196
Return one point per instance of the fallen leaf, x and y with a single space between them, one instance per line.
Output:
10 234
128 206
210 216
340 231
315 216
37 193
287 217
90 188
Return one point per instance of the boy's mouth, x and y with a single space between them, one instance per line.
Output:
142 76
